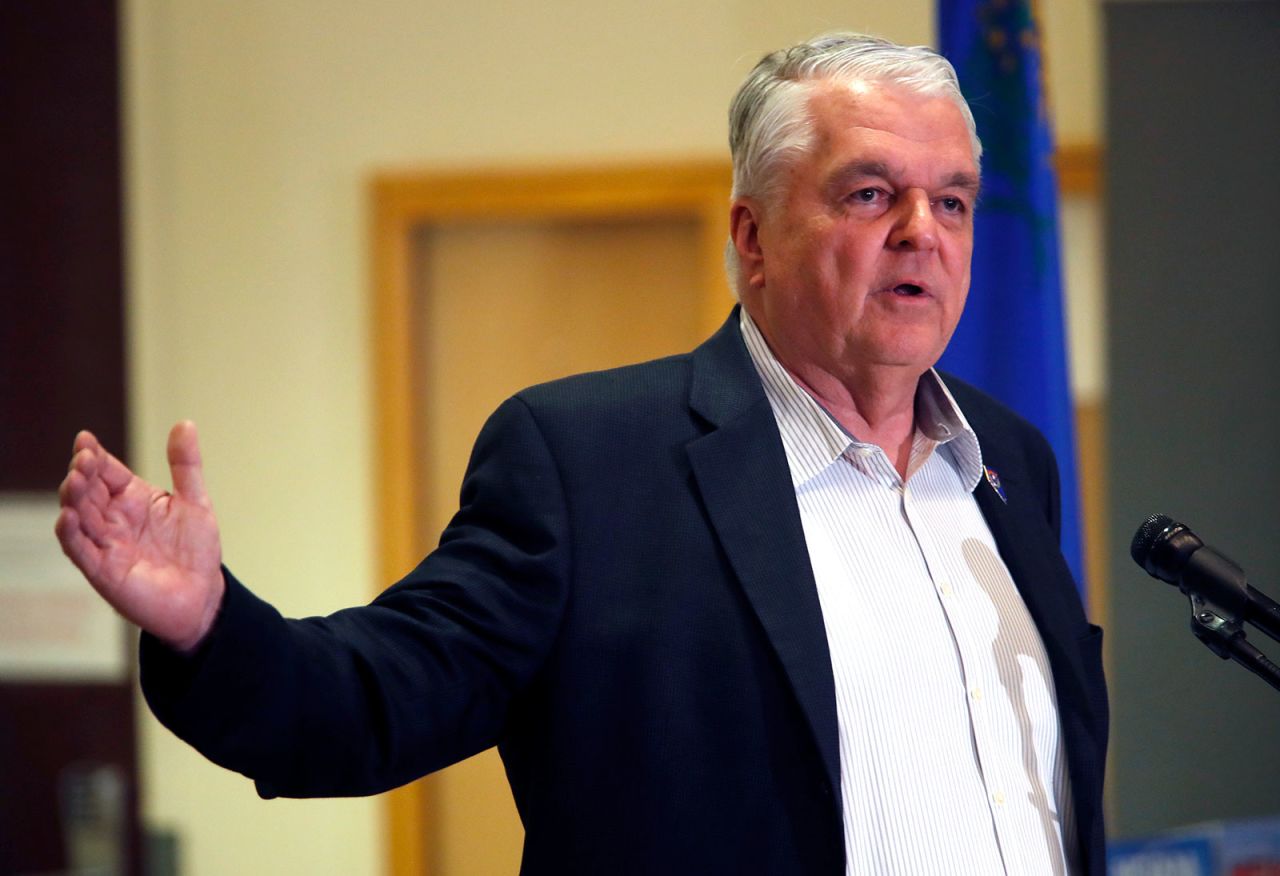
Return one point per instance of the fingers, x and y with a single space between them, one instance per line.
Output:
85 500
99 468
78 547
185 465
94 502
85 440
93 477
82 474
84 459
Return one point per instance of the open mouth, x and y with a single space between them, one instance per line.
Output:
907 289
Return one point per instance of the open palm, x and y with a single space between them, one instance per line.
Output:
153 555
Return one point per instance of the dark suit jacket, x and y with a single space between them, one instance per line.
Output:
624 605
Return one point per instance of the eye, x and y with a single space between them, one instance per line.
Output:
867 196
952 204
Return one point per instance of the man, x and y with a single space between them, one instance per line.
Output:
762 608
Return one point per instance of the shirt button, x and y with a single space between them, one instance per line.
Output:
998 797
976 693
945 588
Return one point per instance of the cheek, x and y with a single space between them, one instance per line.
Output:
957 261
847 258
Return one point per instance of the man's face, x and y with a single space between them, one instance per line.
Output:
862 260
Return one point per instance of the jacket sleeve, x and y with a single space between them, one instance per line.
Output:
373 697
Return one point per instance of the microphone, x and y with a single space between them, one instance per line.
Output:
1170 551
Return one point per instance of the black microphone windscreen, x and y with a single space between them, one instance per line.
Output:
1146 536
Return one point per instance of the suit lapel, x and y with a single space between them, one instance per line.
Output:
741 471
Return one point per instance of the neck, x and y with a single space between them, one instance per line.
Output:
878 408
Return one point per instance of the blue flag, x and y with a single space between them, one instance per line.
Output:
1011 341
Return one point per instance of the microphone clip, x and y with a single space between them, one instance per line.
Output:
1219 624
1219 594
1220 629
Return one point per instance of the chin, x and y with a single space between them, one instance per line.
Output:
901 356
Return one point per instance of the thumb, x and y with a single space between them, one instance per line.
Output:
184 463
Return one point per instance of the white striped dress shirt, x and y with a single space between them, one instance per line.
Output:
951 760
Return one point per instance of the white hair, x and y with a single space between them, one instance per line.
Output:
769 120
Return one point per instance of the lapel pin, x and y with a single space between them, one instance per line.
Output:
994 480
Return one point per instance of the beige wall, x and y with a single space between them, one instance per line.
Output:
251 128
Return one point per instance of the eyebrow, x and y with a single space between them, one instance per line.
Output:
964 180
859 168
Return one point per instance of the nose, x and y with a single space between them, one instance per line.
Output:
914 225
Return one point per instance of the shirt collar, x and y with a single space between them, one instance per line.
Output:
813 439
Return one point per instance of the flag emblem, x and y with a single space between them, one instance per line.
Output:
994 480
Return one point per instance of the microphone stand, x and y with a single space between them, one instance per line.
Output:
1217 621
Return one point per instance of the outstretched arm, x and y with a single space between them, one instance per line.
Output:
153 555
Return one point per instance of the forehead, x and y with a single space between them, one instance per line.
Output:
890 124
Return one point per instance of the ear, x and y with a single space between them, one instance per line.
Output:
744 231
